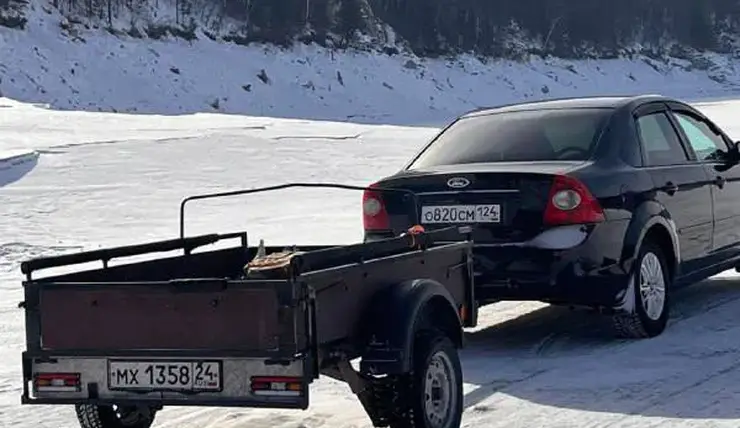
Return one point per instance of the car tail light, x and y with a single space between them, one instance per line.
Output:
570 202
57 382
374 213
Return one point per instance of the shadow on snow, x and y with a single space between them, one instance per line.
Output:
570 359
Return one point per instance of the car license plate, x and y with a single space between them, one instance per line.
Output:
490 213
164 375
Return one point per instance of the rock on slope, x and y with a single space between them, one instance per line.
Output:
74 67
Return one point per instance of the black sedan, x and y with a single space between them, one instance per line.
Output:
604 202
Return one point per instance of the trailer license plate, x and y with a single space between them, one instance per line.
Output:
165 375
461 214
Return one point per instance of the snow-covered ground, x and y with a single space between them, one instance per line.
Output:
14 164
93 70
107 179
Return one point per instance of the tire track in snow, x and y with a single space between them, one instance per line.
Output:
578 334
579 330
673 395
484 391
204 133
13 253
61 148
319 137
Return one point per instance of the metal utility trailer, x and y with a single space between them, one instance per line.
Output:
121 342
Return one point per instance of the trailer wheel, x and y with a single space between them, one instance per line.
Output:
94 416
436 395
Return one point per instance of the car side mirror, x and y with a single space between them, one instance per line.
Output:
731 158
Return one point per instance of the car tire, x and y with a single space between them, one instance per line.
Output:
100 416
435 396
650 283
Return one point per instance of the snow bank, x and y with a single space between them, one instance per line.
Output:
15 164
94 71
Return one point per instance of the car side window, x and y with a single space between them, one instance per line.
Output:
706 144
660 142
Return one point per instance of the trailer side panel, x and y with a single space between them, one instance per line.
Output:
157 316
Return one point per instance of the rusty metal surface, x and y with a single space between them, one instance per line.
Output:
122 318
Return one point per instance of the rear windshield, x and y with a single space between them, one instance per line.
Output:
542 135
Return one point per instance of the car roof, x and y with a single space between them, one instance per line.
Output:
608 102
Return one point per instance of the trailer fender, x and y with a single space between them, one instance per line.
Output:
394 317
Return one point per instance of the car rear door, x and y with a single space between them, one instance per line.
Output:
708 145
681 184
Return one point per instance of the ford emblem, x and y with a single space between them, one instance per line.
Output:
458 182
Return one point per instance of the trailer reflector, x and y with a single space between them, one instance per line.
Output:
277 386
57 382
463 312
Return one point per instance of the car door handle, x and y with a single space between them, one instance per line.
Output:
720 181
670 188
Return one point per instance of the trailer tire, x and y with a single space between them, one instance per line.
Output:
435 397
100 416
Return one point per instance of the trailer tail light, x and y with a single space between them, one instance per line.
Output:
57 382
570 202
277 386
374 213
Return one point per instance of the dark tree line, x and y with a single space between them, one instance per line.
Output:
567 28
561 27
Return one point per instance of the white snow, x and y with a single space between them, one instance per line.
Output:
109 179
93 70
14 164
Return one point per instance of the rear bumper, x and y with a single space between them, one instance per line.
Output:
95 384
579 265
160 402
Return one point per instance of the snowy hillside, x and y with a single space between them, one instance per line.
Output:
94 70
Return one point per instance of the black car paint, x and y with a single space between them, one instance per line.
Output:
520 187
697 221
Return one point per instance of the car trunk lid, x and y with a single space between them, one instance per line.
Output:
505 202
